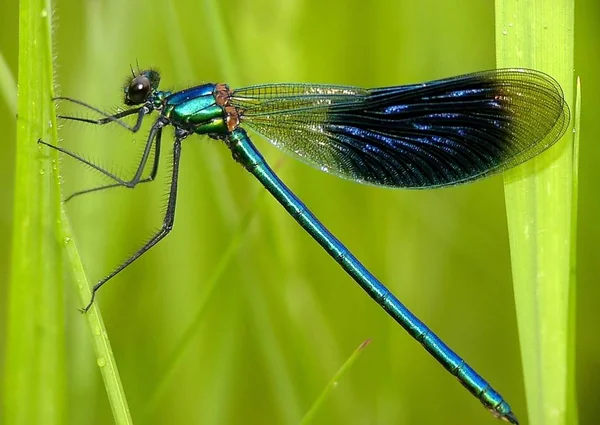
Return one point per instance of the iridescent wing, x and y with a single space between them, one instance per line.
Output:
434 134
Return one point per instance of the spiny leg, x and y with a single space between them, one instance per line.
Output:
116 118
155 133
150 178
164 230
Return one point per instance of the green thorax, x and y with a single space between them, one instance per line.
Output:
203 109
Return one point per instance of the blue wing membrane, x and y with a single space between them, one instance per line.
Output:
434 134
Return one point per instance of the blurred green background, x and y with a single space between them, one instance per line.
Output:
284 317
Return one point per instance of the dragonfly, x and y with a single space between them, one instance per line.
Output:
428 135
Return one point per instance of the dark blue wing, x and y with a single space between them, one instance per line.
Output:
433 134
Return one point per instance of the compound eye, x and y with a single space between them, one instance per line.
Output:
138 90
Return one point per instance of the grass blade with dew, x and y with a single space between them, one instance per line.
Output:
539 196
35 363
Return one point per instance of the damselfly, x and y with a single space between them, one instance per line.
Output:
428 135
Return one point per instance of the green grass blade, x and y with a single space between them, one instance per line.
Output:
35 384
104 355
539 196
8 86
572 412
310 415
